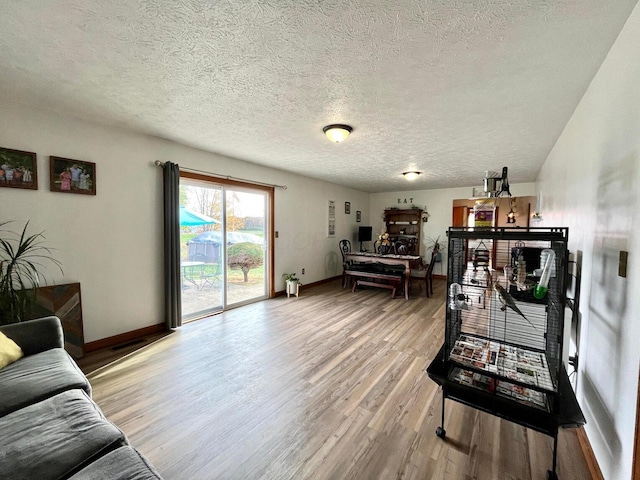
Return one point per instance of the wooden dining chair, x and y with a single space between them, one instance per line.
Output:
382 249
424 272
345 247
402 247
429 275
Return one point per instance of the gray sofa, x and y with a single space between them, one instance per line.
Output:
50 428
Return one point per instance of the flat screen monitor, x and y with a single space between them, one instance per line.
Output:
365 234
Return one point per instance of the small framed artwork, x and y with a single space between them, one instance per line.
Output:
331 232
18 169
347 208
358 216
72 176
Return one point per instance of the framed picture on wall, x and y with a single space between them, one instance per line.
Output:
18 169
72 176
358 216
331 230
347 208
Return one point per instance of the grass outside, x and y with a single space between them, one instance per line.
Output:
255 277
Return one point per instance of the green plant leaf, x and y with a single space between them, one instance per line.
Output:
23 257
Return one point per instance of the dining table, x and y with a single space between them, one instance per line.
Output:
387 259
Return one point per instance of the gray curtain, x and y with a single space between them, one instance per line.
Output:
172 287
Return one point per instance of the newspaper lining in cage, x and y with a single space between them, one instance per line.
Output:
499 359
511 362
524 395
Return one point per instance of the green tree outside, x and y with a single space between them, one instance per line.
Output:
244 256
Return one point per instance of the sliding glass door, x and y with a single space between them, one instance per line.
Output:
225 247
246 245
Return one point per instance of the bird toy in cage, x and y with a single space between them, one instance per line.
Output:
480 256
516 273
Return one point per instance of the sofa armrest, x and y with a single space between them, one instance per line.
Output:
35 336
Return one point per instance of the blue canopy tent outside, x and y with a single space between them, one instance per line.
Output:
189 218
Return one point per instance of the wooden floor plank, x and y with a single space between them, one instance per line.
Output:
327 385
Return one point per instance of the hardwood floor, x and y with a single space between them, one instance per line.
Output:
330 385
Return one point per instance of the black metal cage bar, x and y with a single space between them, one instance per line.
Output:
503 341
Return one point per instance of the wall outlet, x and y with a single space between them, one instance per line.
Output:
303 271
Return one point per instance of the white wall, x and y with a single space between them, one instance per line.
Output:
590 183
112 243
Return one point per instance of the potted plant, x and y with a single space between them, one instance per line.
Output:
432 244
21 258
293 283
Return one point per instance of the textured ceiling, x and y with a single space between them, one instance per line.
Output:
447 87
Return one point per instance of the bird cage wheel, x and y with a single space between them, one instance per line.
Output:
440 432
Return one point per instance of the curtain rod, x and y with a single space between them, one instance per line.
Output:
158 163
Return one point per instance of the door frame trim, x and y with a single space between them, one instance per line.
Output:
271 214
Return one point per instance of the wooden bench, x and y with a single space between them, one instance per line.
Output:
368 278
391 266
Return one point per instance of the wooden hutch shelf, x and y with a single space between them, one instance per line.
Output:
405 223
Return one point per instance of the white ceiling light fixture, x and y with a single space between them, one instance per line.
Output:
337 132
411 176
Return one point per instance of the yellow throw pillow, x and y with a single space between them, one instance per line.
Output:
10 351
